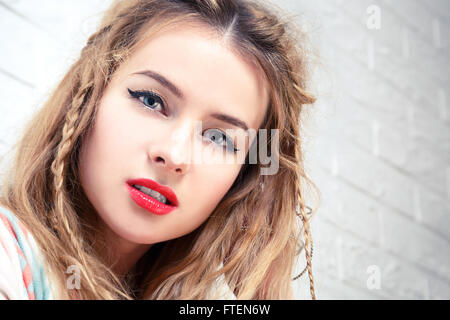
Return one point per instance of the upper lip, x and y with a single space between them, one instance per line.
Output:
164 190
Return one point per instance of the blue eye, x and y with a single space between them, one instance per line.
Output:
153 101
150 99
219 138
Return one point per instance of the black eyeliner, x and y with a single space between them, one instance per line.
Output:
141 93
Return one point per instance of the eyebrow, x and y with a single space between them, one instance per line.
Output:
177 92
163 80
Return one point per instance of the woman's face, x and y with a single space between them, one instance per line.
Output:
139 135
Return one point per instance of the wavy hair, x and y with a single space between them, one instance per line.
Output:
252 237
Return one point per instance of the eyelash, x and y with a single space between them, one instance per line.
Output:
150 94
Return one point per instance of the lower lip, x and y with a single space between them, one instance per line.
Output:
148 203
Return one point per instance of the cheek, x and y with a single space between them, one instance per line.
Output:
104 147
212 185
104 153
116 137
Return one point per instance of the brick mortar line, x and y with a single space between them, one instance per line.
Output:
443 19
430 144
442 122
389 294
28 20
375 71
380 75
434 11
442 194
16 78
356 99
351 284
438 51
357 21
389 252
389 206
414 28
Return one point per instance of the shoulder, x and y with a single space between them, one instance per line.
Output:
22 275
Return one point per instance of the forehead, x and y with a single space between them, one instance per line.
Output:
211 76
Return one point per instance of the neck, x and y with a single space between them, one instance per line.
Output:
118 253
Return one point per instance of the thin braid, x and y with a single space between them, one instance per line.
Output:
59 219
312 249
64 147
308 254
58 168
305 221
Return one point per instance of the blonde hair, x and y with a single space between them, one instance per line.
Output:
252 235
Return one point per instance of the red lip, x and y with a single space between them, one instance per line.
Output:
148 202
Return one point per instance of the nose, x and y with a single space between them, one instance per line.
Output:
173 152
169 166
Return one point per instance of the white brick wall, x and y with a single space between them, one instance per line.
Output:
378 143
379 148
